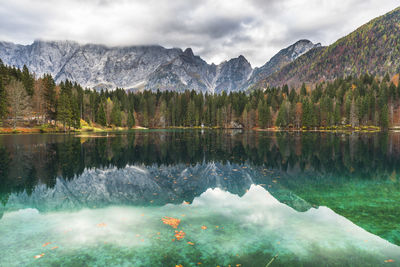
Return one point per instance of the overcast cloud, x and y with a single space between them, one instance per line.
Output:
216 30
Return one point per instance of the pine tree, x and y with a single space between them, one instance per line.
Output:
75 113
131 120
337 115
260 114
384 117
64 114
116 114
3 102
292 96
50 96
353 114
303 90
264 115
101 116
27 80
282 118
190 117
308 119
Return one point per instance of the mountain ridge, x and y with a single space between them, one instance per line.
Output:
371 48
132 67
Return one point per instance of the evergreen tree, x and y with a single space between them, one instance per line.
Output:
50 96
292 96
101 116
3 102
64 114
131 120
337 115
190 118
75 113
116 114
308 119
265 120
303 90
282 118
384 117
27 80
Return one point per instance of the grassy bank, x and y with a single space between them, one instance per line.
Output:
86 128
344 128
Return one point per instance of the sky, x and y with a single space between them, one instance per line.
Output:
215 30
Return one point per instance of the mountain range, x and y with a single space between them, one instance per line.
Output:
373 48
142 67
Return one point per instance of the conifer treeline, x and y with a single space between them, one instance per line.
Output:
365 100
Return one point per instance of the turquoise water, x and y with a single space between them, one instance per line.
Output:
241 197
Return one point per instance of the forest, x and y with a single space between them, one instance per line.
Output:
29 101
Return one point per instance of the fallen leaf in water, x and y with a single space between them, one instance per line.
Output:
38 256
101 225
173 222
203 227
389 260
54 247
179 235
190 243
46 244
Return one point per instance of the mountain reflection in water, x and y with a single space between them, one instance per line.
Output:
304 195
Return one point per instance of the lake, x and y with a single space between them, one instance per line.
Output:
200 198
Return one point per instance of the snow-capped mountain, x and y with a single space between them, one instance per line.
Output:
142 67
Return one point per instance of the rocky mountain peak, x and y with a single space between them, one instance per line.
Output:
188 52
299 48
281 59
232 74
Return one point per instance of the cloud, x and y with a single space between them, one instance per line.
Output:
216 30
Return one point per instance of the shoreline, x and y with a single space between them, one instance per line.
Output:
90 130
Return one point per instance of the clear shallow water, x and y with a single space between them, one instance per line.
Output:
313 199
